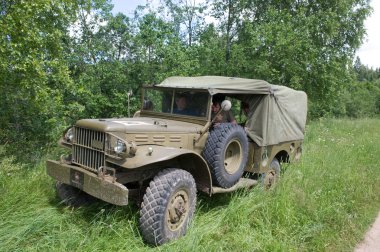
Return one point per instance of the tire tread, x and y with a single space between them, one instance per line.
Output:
155 201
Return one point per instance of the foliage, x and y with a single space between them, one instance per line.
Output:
325 202
362 97
188 14
303 46
74 59
32 70
65 60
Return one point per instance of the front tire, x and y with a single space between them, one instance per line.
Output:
168 206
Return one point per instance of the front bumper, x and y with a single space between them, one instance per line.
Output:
97 186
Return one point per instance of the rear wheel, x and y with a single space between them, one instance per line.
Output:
168 206
72 196
271 177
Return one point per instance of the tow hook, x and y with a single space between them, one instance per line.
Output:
107 173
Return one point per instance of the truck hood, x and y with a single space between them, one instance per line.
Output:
139 124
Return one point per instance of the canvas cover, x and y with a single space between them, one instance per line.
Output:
277 113
277 117
218 84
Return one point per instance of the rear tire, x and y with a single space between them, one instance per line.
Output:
270 178
72 196
168 206
226 152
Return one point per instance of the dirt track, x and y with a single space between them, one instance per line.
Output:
371 240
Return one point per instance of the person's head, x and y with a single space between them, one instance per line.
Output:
215 107
181 102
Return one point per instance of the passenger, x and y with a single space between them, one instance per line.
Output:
245 108
223 116
181 108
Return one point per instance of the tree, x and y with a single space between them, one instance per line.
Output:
211 52
307 45
228 12
99 54
188 13
118 34
32 68
60 61
153 35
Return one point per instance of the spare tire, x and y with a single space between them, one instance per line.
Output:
226 153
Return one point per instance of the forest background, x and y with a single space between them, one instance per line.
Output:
65 60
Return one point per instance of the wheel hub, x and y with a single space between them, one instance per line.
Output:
270 179
177 210
232 156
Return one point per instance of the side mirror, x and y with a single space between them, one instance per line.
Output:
226 105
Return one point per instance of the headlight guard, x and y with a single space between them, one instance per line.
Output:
119 148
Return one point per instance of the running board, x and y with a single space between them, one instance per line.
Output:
242 183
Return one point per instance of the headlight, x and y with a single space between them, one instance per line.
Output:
120 147
69 135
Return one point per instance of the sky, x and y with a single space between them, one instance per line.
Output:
369 52
128 7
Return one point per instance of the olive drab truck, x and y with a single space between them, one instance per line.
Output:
171 149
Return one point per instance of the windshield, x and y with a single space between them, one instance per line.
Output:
179 102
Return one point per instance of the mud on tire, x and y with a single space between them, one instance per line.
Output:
226 152
168 206
271 177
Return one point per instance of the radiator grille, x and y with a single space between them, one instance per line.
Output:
89 148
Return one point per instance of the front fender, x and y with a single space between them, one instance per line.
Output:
164 157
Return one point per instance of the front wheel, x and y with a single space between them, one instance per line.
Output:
168 206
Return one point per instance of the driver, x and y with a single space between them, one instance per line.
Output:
181 106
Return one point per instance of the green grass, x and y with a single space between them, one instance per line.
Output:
326 202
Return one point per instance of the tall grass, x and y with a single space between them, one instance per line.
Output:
326 202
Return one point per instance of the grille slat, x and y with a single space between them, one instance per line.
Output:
84 154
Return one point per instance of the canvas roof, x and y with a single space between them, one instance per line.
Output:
278 117
218 84
277 113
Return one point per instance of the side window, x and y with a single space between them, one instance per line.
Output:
200 103
237 111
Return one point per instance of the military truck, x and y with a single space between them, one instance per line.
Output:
166 153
